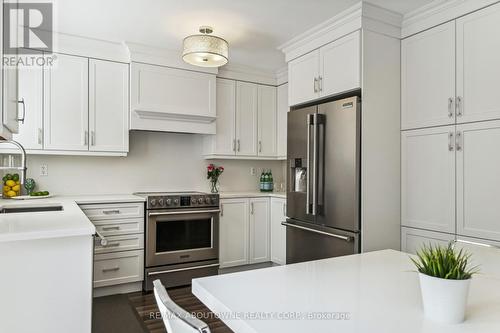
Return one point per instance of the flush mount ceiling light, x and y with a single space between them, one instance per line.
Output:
205 50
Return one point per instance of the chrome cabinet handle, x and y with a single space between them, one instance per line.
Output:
85 138
221 209
238 141
251 208
234 145
112 245
92 138
112 269
450 141
315 84
459 141
21 119
110 228
260 146
450 107
459 106
320 83
103 241
112 211
346 238
308 156
284 209
40 136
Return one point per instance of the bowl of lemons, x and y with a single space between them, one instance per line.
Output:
11 185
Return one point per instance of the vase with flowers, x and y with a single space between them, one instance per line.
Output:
213 174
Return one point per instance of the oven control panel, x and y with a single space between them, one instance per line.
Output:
182 201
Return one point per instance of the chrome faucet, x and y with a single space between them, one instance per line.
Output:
21 168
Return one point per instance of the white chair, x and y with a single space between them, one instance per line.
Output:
175 318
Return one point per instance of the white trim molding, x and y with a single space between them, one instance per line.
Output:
363 15
438 12
246 73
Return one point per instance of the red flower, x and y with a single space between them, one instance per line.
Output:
210 167
221 168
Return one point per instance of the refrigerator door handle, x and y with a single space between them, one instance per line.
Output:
308 171
346 238
314 209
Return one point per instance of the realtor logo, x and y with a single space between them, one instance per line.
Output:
27 26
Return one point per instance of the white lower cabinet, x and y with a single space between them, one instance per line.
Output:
121 259
245 231
412 240
259 230
234 232
278 231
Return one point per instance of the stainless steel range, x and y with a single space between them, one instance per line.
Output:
182 237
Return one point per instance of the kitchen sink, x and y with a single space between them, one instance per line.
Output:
30 208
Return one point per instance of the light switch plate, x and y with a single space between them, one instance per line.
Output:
44 170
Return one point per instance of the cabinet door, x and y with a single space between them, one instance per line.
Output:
259 230
108 106
428 179
428 78
282 112
224 141
412 240
478 72
10 75
267 121
66 104
234 232
340 65
246 119
31 91
278 231
303 74
478 180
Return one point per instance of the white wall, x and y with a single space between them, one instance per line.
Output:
156 162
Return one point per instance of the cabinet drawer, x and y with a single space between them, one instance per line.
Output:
114 211
120 227
120 243
116 268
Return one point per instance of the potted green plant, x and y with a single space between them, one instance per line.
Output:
445 276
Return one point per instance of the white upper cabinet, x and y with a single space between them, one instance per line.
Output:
224 142
108 106
340 65
66 104
278 231
267 117
259 230
234 232
303 76
478 69
428 78
282 118
31 91
428 179
172 100
246 118
329 70
478 180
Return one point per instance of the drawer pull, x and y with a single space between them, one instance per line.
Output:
112 245
113 269
110 228
110 212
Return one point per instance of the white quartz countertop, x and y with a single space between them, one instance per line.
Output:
70 221
251 194
376 292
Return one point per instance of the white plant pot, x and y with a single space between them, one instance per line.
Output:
444 300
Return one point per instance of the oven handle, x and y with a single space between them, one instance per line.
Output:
184 212
182 269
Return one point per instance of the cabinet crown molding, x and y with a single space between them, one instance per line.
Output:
438 12
361 15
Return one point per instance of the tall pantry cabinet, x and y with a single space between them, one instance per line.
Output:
451 131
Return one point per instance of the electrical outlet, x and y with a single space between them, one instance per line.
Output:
252 171
44 170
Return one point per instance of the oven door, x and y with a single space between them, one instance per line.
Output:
174 237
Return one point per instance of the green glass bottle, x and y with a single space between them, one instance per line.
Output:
271 181
266 181
262 181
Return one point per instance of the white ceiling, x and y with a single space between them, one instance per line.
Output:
253 28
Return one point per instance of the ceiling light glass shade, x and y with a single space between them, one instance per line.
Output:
205 50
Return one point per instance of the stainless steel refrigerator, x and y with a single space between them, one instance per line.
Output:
323 192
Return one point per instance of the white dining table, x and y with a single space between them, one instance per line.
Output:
375 292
